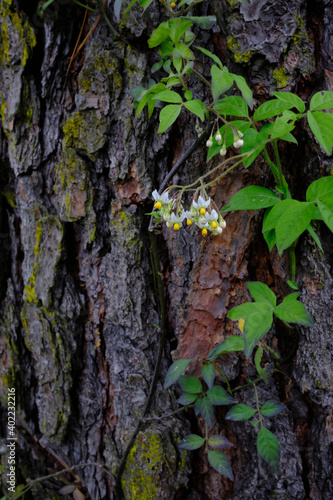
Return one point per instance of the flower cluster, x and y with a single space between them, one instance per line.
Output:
238 141
201 214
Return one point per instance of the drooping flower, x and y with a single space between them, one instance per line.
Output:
201 205
160 199
177 220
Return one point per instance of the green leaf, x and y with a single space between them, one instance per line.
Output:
327 214
191 442
270 238
233 343
190 384
158 36
253 141
321 189
291 99
261 292
205 408
175 371
269 448
219 396
168 116
258 318
149 94
257 360
145 3
292 223
177 28
178 63
322 100
208 374
315 237
282 126
252 198
205 22
181 50
221 82
232 106
168 96
155 67
172 81
197 107
188 95
272 408
187 399
321 125
212 56
292 285
293 311
219 442
240 412
245 90
220 463
270 108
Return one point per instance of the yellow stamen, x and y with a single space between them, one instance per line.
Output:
204 232
158 205
173 5
214 224
176 227
202 211
189 222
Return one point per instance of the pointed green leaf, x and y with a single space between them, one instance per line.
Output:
219 396
292 223
321 189
220 463
181 50
255 327
187 399
321 125
168 116
212 56
257 360
188 95
322 100
205 408
145 3
197 107
233 343
270 108
269 448
240 412
158 36
291 99
175 371
253 141
245 90
315 237
155 67
261 292
208 374
177 28
168 96
327 214
293 311
221 81
272 408
232 106
252 198
190 384
191 442
219 442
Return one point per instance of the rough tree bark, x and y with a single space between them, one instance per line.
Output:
78 335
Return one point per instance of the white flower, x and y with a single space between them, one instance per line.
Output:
177 219
161 198
202 223
201 203
209 143
213 216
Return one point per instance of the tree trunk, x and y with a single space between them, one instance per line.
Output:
81 321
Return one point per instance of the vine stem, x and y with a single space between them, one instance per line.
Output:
224 376
257 402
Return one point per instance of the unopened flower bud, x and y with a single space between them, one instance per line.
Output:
218 136
219 230
223 151
209 143
169 224
223 224
166 217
